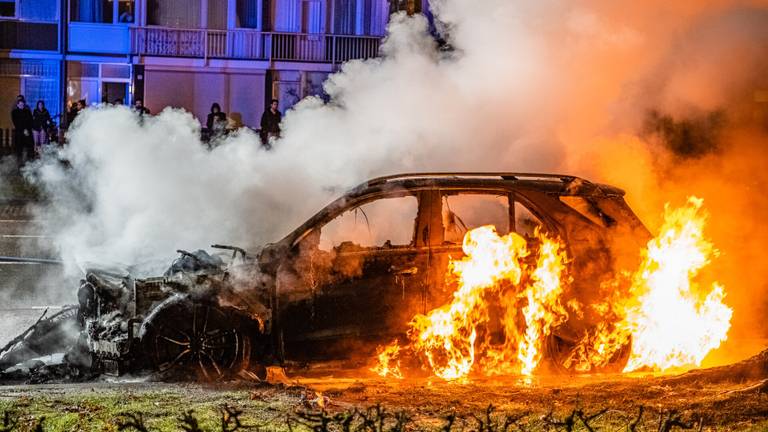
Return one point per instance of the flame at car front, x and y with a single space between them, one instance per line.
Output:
665 318
671 320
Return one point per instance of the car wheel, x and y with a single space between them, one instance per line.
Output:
186 338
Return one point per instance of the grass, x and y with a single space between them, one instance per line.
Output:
104 411
163 408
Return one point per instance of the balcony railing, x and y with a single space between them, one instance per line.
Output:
251 45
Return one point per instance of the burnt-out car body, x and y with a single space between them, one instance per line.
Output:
351 277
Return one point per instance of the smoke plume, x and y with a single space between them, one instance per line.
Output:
660 98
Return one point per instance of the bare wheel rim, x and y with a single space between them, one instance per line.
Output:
197 338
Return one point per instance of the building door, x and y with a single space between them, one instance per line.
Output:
112 91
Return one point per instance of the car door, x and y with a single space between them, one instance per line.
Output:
463 209
356 280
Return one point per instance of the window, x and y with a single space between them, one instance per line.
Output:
588 209
312 16
367 17
344 21
465 211
174 13
217 14
102 11
409 6
248 14
125 13
8 8
383 223
525 221
38 10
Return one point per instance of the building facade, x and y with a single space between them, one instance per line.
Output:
183 53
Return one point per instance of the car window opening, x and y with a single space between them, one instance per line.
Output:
389 223
463 212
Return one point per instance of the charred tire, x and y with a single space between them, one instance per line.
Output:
185 339
557 350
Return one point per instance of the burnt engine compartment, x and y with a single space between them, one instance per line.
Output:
190 321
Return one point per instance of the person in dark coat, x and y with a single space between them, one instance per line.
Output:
270 123
21 117
217 120
138 106
41 122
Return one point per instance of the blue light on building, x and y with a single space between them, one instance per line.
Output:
239 53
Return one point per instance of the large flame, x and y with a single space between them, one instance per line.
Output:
667 319
674 322
493 267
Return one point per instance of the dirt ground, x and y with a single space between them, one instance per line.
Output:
324 400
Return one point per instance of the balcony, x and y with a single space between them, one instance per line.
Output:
98 38
29 35
243 44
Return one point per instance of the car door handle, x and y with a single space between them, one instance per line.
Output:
403 271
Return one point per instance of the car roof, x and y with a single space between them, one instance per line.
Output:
548 183
552 183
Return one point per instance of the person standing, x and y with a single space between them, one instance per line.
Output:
270 123
217 120
41 122
138 106
21 117
71 113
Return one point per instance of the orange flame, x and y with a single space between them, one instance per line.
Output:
447 336
544 309
670 321
667 319
673 321
388 361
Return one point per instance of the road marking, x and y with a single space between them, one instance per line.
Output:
22 236
15 220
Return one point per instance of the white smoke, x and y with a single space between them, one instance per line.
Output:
133 192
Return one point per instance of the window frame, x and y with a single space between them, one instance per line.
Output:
548 223
115 14
335 209
410 245
500 192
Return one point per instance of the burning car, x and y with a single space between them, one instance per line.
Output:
350 279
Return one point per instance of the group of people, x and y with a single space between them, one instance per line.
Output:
31 129
217 123
74 108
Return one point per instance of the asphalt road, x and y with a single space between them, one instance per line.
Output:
26 288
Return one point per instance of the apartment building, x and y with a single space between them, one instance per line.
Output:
183 53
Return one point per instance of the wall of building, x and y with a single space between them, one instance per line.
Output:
35 79
241 95
9 88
